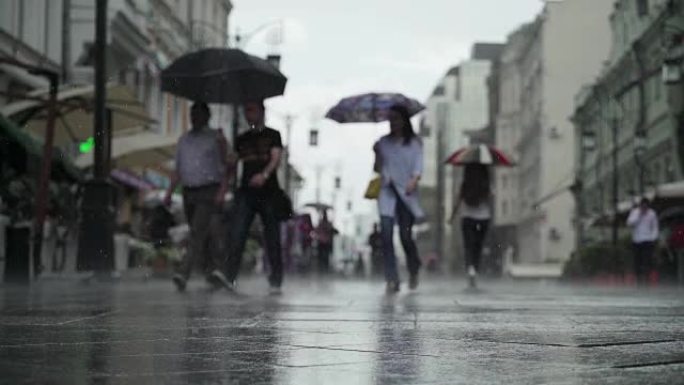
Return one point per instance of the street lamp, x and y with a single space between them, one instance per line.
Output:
640 143
587 144
241 40
639 155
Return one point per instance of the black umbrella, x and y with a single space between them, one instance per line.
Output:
222 75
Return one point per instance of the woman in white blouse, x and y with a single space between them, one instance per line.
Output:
399 160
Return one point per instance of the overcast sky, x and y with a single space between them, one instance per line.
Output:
336 48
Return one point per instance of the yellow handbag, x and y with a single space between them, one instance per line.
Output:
373 189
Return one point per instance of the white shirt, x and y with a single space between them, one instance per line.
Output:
400 163
644 226
481 212
199 161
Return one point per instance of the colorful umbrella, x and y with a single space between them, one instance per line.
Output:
371 108
479 154
319 206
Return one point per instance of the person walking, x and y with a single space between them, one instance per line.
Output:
325 240
399 160
161 222
201 171
260 151
645 233
474 203
375 244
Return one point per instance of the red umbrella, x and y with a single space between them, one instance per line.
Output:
480 154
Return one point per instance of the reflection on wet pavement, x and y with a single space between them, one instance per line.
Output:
345 332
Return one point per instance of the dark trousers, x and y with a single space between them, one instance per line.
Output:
643 260
405 220
247 206
324 253
205 222
474 232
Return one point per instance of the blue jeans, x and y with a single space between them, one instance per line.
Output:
405 220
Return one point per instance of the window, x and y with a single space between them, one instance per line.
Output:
655 176
642 7
457 92
147 87
504 208
177 115
669 169
9 18
657 88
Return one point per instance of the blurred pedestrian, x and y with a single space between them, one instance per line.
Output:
201 171
259 150
325 239
161 221
399 160
359 266
375 244
645 233
474 202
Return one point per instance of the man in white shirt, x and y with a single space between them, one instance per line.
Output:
645 233
201 171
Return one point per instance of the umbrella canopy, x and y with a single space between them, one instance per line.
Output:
222 75
9 132
480 154
74 122
371 108
319 206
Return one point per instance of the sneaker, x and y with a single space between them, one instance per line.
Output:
180 282
392 287
413 282
472 277
218 280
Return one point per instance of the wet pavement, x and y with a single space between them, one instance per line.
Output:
340 332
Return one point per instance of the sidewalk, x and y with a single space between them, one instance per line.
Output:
340 332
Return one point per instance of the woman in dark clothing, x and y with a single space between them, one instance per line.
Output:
475 205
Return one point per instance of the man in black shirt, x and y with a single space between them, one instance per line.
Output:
259 150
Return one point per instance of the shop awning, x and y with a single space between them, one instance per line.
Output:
143 149
74 122
131 179
34 147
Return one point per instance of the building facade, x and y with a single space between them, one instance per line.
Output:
555 61
143 37
507 128
629 122
31 32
